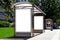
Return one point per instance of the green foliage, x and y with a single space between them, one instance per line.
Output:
51 8
58 20
4 24
32 1
6 5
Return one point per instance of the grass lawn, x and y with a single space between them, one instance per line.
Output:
6 32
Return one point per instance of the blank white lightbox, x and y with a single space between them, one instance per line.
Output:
23 20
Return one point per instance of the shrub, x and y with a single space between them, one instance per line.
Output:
4 24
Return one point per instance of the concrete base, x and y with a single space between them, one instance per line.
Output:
23 35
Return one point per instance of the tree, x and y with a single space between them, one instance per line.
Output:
6 5
51 8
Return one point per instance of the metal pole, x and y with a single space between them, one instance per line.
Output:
32 28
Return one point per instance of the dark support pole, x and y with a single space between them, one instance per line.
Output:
32 29
43 24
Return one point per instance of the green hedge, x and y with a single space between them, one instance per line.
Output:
4 24
58 20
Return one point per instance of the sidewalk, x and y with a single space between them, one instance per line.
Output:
11 39
48 35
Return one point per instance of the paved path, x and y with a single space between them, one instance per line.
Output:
48 35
